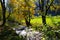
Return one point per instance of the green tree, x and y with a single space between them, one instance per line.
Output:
45 8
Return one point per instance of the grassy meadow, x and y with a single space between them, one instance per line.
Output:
50 20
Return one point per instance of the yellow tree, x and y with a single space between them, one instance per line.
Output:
23 9
29 5
26 8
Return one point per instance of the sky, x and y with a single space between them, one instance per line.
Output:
6 3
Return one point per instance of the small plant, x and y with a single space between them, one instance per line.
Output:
49 34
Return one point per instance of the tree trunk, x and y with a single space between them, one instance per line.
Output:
29 15
3 12
27 22
43 15
46 9
44 19
4 19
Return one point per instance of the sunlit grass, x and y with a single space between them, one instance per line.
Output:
37 20
49 20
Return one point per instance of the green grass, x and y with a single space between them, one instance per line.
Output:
49 20
38 21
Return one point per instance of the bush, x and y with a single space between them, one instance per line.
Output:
8 34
